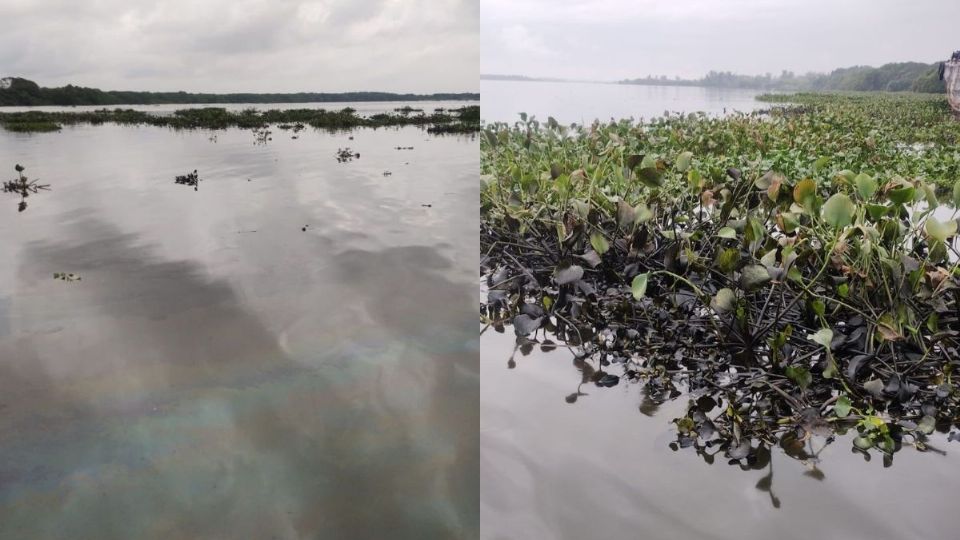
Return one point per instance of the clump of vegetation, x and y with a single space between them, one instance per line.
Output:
189 179
346 154
296 128
23 187
32 127
66 276
792 272
261 136
461 120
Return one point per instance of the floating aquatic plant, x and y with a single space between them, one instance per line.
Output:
66 276
189 179
346 154
786 275
23 187
460 120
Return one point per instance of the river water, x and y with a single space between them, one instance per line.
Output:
602 467
582 103
218 371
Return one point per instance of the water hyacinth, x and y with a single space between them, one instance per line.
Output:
796 266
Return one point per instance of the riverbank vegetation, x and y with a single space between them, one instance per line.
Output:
460 120
16 91
791 272
893 77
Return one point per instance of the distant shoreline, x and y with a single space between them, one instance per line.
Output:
18 92
892 77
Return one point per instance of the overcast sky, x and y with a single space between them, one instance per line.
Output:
419 46
617 39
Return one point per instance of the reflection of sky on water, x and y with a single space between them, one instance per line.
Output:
205 380
583 103
601 468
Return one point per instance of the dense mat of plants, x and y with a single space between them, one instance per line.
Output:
791 272
458 120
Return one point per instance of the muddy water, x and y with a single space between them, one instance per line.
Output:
602 468
217 371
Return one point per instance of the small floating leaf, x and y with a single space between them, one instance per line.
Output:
626 215
524 325
592 258
727 232
822 336
842 407
927 424
838 210
862 442
866 185
569 274
739 451
804 190
874 386
650 176
727 260
799 375
763 183
608 380
639 286
901 195
723 301
599 242
846 176
940 230
753 277
644 214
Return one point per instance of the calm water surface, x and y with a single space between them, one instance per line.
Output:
503 101
218 372
602 468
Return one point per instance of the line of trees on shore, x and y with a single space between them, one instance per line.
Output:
893 77
16 91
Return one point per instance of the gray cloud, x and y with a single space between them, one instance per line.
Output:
615 39
245 45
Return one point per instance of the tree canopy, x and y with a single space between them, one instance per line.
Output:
16 91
